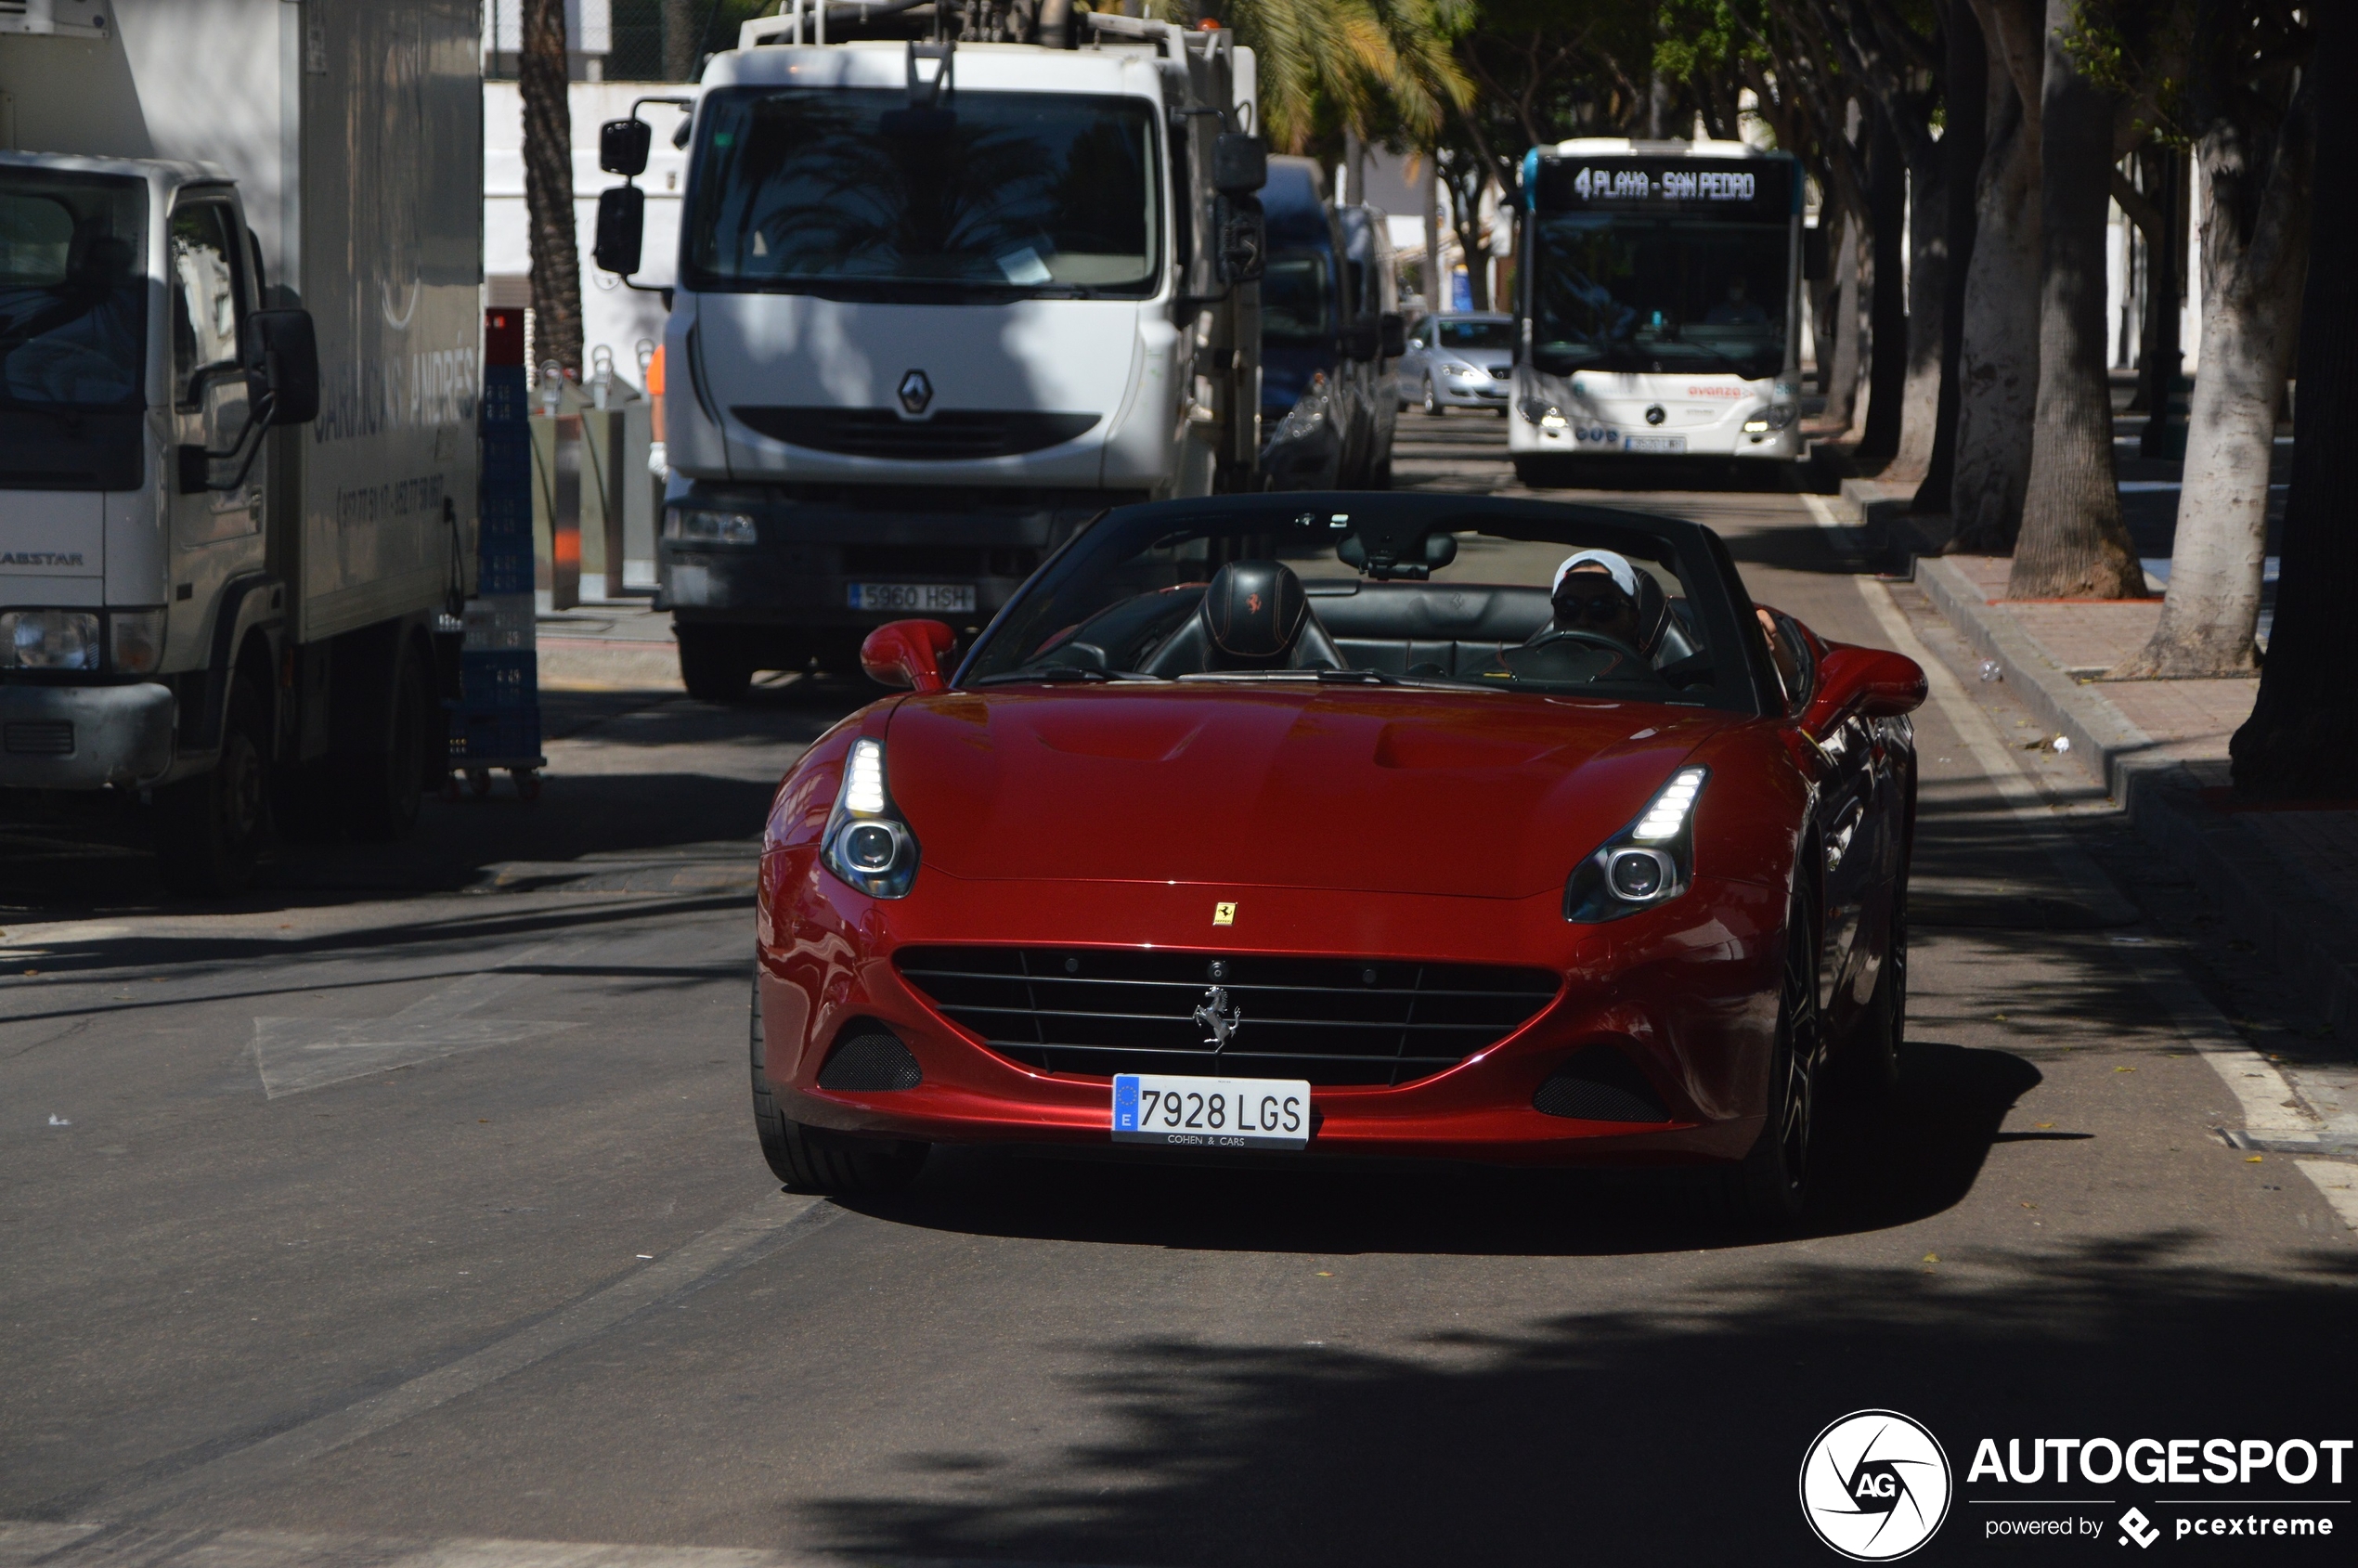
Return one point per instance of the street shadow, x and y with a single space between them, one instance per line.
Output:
1670 1434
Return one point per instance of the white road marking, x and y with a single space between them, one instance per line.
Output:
2270 1107
774 1221
1845 537
79 1546
293 1055
2338 1183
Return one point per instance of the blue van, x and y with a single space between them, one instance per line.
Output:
1308 413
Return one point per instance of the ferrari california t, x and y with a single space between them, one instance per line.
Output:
1346 825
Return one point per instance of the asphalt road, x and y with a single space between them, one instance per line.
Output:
409 1211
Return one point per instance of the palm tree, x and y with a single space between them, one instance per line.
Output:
547 185
1371 64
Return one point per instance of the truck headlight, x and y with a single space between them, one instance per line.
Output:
49 639
695 524
868 844
135 641
1650 861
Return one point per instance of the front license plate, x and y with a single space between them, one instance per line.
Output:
1211 1112
956 599
1653 444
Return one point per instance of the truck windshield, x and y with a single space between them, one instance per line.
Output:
825 190
72 291
1639 292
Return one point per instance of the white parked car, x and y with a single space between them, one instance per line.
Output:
1460 362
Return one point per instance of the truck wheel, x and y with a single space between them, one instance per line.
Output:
210 829
712 666
390 785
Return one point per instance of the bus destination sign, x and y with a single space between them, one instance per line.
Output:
1746 187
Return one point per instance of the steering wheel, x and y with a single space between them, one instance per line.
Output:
1554 635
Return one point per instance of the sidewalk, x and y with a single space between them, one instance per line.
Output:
2160 748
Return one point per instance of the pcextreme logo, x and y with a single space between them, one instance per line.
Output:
1875 1486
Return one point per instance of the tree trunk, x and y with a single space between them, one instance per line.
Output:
1928 279
548 187
682 39
1964 87
2074 544
1998 376
2162 354
2302 739
2255 251
1837 368
1435 290
1887 347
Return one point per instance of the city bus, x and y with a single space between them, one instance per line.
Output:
1658 297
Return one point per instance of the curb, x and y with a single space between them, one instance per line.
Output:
2310 936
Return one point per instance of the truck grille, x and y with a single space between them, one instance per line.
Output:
39 737
1328 1020
953 434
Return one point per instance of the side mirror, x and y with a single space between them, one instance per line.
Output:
622 147
1361 340
908 654
1813 255
281 352
622 224
1395 335
1244 238
1240 163
1870 682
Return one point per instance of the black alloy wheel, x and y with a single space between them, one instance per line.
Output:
1872 1052
1771 1188
712 665
813 1158
212 829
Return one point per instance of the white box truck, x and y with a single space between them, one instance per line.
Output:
240 334
939 302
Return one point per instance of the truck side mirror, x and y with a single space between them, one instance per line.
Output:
1244 240
622 147
1361 340
622 223
1240 163
1395 335
1813 254
282 354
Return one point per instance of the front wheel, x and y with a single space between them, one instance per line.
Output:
1873 1050
210 829
813 1158
1431 400
713 668
1771 1188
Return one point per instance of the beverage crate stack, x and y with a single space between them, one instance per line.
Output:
495 722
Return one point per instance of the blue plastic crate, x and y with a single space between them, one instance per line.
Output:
505 572
507 396
494 736
499 680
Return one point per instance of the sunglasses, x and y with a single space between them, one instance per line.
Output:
1609 605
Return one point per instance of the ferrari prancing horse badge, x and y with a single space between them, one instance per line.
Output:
1224 914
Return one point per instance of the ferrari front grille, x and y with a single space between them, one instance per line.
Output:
1328 1020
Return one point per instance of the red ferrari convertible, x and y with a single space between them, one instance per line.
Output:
1340 825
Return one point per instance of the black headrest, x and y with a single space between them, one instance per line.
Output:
1253 609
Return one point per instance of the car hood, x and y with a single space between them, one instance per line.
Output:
1481 359
1488 794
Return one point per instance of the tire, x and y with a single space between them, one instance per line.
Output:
813 1158
1431 402
1769 1189
212 828
712 666
389 786
1871 1058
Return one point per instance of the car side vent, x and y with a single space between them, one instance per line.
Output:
1599 1084
869 1058
40 737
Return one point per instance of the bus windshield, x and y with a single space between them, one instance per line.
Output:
1641 291
825 189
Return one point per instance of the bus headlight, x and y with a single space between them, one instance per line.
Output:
1777 416
1547 416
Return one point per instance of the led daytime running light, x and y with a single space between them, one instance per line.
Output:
1668 814
863 780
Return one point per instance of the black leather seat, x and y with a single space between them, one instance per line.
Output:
1254 616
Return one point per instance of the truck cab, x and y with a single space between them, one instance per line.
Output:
936 305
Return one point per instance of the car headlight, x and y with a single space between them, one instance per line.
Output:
1651 862
867 843
135 641
1451 367
49 639
1774 417
694 525
1547 416
1308 412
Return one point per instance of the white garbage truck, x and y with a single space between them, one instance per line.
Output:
951 280
240 334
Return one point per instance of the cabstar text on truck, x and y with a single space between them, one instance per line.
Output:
239 344
938 302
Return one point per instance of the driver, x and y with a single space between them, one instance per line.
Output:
1596 591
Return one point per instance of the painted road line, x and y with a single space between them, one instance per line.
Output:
87 1546
2271 1109
777 1221
1843 535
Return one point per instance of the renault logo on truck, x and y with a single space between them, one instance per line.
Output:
916 393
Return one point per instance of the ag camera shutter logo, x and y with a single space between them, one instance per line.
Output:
1875 1486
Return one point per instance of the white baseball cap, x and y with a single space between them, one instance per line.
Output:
1623 574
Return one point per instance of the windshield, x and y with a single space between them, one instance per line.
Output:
1297 298
848 191
1475 335
1632 293
1521 598
73 294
